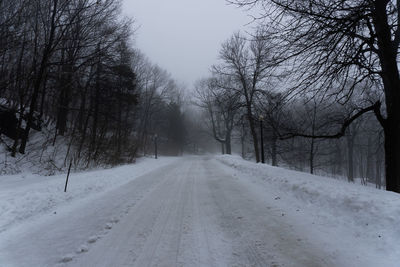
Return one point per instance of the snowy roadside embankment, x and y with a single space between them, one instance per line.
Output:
25 195
368 215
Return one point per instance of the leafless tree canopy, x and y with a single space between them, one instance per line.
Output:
331 47
68 69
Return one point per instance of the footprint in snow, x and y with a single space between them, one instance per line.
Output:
67 258
82 249
115 220
92 239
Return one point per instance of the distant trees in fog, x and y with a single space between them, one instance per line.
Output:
302 125
222 107
236 83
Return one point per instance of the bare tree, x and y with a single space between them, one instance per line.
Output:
340 43
222 106
247 64
271 105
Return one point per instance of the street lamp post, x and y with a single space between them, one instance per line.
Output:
262 139
155 146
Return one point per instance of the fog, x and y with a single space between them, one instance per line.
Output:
185 136
80 82
184 36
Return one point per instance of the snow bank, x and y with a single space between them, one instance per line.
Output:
41 156
25 195
369 214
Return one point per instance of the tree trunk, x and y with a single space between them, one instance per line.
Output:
95 104
22 95
253 135
350 155
228 143
361 173
32 106
368 172
83 137
81 114
15 144
312 156
312 145
336 159
119 128
64 99
378 180
43 97
243 147
94 138
243 138
62 112
273 149
47 51
390 76
392 156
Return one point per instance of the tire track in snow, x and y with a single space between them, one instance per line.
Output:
259 235
231 222
118 245
173 225
198 215
165 235
196 246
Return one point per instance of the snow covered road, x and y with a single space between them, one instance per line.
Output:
198 216
195 211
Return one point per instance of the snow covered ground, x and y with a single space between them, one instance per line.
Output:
28 195
196 211
355 225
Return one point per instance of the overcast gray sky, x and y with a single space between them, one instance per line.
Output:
184 36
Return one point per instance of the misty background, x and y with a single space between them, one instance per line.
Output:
184 36
87 83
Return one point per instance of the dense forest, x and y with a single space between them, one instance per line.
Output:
69 70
